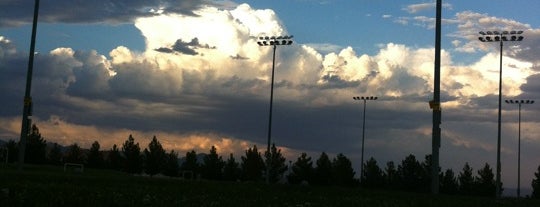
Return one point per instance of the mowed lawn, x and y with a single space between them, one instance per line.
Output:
51 186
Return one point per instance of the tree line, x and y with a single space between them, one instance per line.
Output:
409 175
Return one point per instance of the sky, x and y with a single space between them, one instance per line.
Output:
192 74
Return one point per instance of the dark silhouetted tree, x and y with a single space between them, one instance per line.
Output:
95 156
411 174
231 170
535 184
55 155
114 159
323 170
74 154
154 157
276 161
13 151
252 165
36 147
171 164
391 176
372 177
448 183
485 182
466 180
425 174
133 158
302 170
212 167
342 171
190 163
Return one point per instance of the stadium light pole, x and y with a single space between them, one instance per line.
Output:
273 42
499 36
364 99
435 104
519 102
27 108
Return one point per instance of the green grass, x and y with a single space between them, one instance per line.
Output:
51 186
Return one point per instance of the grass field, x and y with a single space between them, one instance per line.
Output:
51 186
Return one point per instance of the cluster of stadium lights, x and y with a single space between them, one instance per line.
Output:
496 36
365 98
520 101
280 40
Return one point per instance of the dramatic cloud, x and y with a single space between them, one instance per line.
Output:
15 13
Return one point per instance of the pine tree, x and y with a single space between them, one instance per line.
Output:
536 184
190 164
391 175
55 155
276 161
231 170
171 164
372 177
323 170
95 156
252 165
74 154
212 167
132 153
466 180
485 182
13 151
342 171
302 170
36 147
154 157
449 184
115 160
411 174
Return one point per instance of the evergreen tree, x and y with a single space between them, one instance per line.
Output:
485 182
448 183
171 164
132 153
466 180
342 171
536 184
252 165
13 151
212 167
302 170
372 177
276 161
115 160
154 157
191 164
391 176
74 154
36 147
95 156
231 170
55 155
425 174
323 170
411 174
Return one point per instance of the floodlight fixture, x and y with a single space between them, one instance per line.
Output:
519 103
364 99
499 36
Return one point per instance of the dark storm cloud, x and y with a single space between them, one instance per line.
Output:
16 12
187 48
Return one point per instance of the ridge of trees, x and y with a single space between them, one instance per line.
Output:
409 175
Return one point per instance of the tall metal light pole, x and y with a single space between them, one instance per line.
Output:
273 42
364 99
435 104
519 102
499 36
27 108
